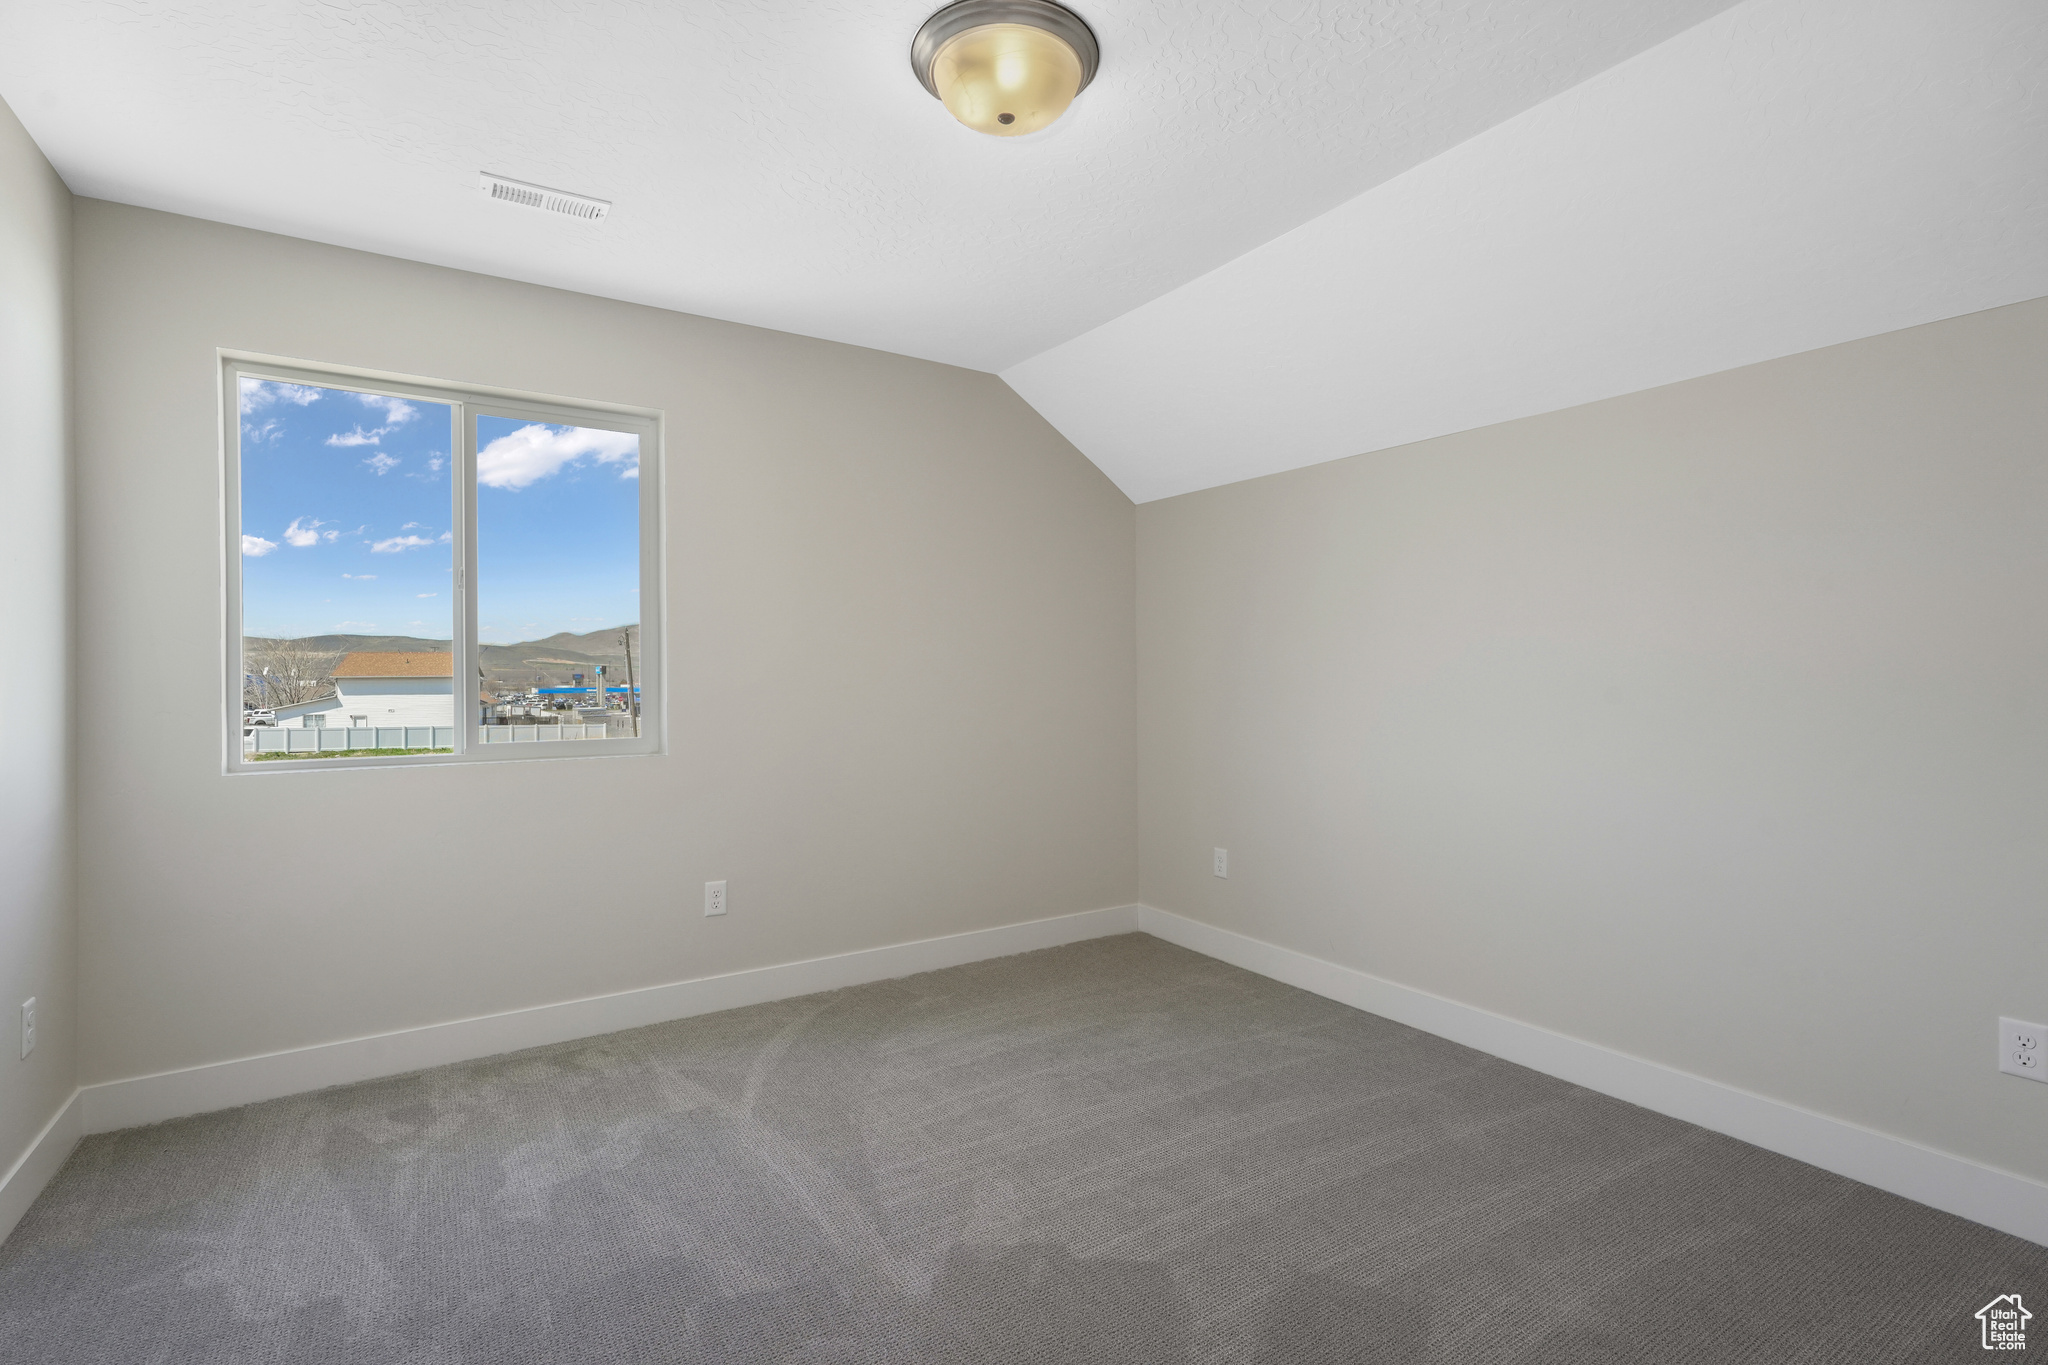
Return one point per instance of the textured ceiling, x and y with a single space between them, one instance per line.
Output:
1785 176
777 163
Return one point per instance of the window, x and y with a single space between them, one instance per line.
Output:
461 575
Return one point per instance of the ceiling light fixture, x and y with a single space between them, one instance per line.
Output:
1005 67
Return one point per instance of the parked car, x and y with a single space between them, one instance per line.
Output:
259 718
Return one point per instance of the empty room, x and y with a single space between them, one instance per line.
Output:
1023 681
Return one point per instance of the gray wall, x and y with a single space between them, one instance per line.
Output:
1708 723
37 928
901 669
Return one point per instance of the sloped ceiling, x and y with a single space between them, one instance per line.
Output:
776 162
1268 235
1788 175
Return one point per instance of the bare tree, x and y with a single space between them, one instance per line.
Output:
285 672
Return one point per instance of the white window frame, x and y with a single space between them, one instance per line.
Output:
465 403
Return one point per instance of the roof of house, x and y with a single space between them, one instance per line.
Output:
369 665
298 708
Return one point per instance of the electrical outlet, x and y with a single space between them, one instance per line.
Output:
714 898
1222 866
2023 1049
28 1026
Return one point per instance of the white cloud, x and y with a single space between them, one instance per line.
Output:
256 546
630 472
399 544
256 435
359 577
426 594
446 536
535 452
355 625
435 462
381 462
305 531
397 412
258 394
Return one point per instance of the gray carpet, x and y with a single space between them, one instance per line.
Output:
1117 1151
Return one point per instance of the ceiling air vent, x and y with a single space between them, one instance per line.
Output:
541 197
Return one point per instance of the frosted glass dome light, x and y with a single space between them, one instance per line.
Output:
1005 67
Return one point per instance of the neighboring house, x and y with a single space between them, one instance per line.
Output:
382 689
295 714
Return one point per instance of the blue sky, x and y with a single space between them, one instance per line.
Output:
347 510
558 529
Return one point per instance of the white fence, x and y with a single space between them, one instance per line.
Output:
526 734
293 739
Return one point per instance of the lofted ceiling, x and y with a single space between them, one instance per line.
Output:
778 163
1269 234
1788 175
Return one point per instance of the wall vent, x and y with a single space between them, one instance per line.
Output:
541 197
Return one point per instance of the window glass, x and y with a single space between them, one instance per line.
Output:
558 580
421 573
346 555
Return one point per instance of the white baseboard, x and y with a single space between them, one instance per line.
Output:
224 1085
2011 1203
27 1177
1999 1199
